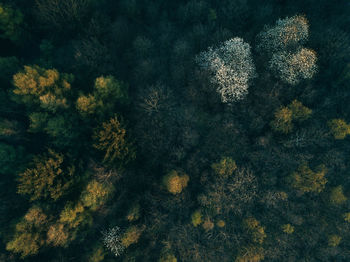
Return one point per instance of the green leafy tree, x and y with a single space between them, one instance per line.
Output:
306 180
111 139
288 228
11 21
47 178
108 92
11 158
339 128
44 87
337 196
196 218
334 240
346 217
8 67
299 111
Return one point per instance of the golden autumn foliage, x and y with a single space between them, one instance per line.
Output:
45 87
256 230
131 236
175 182
96 194
225 167
111 139
284 117
307 180
337 196
57 235
48 177
339 128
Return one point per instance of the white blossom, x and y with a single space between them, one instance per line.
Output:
112 240
290 32
231 66
294 67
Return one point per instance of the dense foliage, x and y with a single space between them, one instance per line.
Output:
189 130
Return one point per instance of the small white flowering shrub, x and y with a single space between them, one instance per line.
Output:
112 241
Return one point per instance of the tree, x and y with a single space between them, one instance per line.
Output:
111 139
134 213
306 180
11 21
131 236
229 194
113 241
285 116
175 182
49 177
299 111
28 237
283 120
225 167
10 158
196 218
62 14
287 33
294 67
231 67
251 254
108 92
255 229
8 67
337 196
288 228
167 258
73 215
339 128
96 194
334 240
25 242
57 235
44 87
283 43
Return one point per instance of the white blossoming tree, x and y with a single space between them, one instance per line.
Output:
287 33
231 67
283 43
294 67
112 240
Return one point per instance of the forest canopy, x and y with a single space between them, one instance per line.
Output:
174 131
